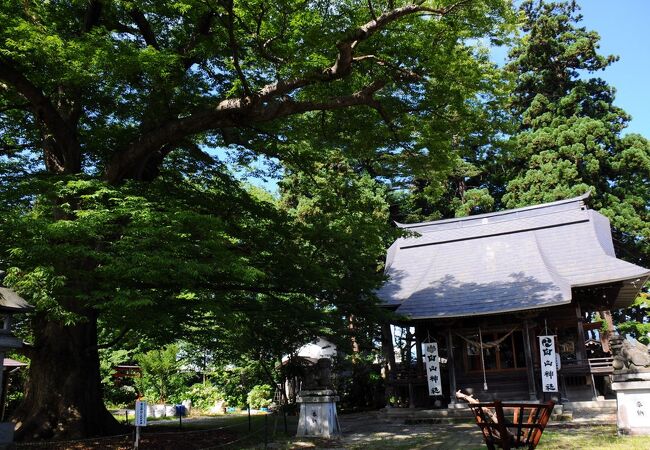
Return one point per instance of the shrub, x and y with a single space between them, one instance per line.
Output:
259 396
204 396
162 379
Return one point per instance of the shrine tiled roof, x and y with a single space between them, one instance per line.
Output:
514 260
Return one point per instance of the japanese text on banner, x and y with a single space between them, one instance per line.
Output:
432 365
548 363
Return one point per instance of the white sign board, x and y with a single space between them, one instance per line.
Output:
548 362
140 414
432 364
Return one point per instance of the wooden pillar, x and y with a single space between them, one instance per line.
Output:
389 354
530 367
581 351
408 363
408 344
419 366
451 368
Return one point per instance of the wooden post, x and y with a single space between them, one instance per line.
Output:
581 351
419 368
407 349
389 354
530 368
451 368
408 359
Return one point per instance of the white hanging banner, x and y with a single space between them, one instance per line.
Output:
432 364
548 363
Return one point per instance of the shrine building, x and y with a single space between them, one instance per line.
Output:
484 288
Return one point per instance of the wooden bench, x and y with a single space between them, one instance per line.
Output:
523 431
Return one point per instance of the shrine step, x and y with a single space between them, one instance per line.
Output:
598 411
412 416
565 416
604 406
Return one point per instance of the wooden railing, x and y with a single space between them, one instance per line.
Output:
601 366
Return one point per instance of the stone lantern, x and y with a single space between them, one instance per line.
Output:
10 304
317 401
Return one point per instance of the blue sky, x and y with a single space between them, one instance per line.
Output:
624 28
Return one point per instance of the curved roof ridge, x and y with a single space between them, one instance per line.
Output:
579 201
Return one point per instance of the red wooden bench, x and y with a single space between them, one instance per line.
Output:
523 431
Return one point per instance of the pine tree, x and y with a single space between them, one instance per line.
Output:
569 139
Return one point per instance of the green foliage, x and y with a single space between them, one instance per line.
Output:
635 320
162 377
259 396
204 395
236 381
362 387
120 392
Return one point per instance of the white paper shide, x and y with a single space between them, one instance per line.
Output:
432 364
548 363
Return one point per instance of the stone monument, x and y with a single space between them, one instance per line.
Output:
631 381
317 402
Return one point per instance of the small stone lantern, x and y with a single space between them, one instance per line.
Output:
10 304
317 401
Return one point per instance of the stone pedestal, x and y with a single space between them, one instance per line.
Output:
318 413
632 402
7 436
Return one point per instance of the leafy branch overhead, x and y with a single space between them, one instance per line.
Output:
124 84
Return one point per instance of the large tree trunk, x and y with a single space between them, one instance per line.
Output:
63 398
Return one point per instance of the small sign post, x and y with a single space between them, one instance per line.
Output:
140 420
549 363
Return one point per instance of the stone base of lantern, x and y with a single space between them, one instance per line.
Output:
632 403
7 436
318 416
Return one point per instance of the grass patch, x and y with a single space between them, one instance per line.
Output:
596 437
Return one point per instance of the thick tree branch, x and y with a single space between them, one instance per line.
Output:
202 30
401 72
373 14
343 64
115 340
18 106
13 148
228 114
65 149
234 48
145 28
271 101
91 18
